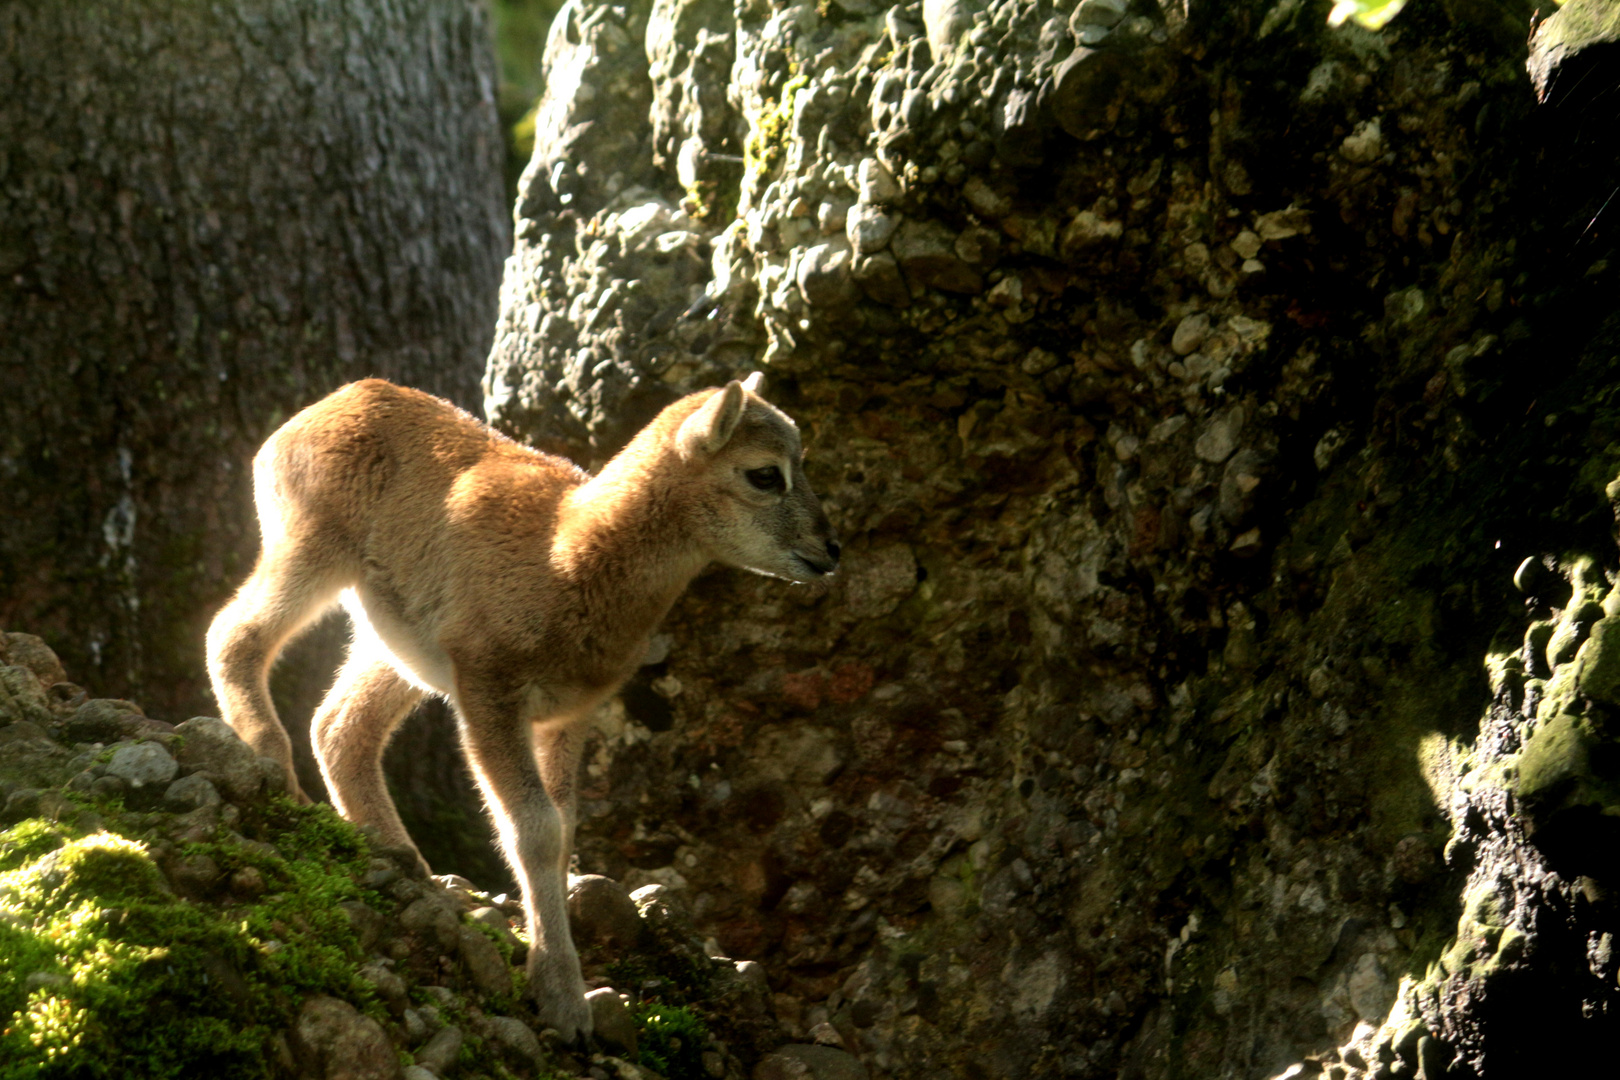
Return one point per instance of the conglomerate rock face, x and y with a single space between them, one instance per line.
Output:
1186 397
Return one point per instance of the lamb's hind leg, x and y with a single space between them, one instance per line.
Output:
531 830
285 593
351 730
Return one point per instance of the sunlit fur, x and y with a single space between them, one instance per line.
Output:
509 581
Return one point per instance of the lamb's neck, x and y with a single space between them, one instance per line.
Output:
628 545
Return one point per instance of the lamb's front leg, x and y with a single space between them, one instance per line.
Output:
534 835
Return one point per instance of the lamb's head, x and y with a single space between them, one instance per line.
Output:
746 465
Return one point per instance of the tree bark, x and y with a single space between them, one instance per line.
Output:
210 216
1189 381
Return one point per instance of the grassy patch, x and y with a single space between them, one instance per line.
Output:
671 1039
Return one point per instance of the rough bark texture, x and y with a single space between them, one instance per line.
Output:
210 216
1188 380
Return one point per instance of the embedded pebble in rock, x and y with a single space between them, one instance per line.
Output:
927 253
190 793
21 695
877 184
333 1040
1190 333
810 1063
429 917
496 920
141 764
441 1051
1219 436
194 875
824 276
483 961
31 652
210 744
104 720
869 229
611 1022
601 913
512 1039
367 921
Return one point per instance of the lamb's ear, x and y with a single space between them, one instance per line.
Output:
755 383
707 431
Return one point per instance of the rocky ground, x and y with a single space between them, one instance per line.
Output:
166 912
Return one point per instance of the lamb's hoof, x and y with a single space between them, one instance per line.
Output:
570 1020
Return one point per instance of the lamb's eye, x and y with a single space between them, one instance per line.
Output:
767 479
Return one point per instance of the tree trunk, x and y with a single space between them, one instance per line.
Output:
210 216
1188 386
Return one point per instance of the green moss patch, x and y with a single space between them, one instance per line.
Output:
109 973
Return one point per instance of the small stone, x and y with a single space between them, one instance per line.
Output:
108 787
1247 544
880 279
797 1062
1370 992
830 216
484 963
416 1028
1190 333
926 252
512 1039
601 914
824 276
664 914
23 803
22 697
945 21
1086 85
1038 362
103 720
824 1034
1104 13
429 917
978 247
1533 578
1220 436
26 650
1247 245
441 1051
1365 144
1281 224
492 917
984 199
195 875
210 744
868 229
611 1021
365 920
877 184
334 1040
248 882
141 764
417 1072
190 792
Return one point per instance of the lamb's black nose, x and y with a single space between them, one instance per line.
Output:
832 550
